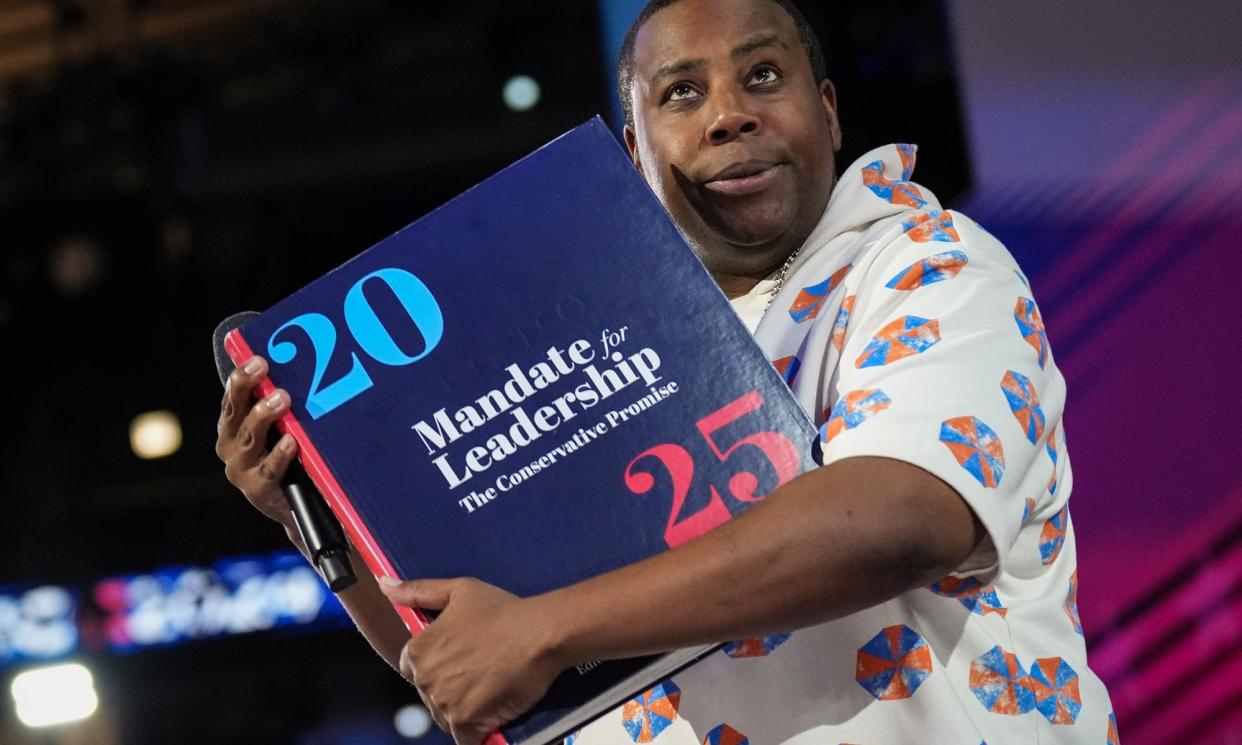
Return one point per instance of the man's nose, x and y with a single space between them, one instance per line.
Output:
732 120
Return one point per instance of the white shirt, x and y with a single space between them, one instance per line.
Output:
909 332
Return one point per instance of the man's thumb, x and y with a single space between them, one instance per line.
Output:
432 594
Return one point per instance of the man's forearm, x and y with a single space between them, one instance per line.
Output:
371 612
831 542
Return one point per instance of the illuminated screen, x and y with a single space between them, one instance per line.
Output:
169 606
37 623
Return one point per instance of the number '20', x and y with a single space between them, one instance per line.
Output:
368 331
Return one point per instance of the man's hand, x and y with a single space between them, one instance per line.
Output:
482 662
241 441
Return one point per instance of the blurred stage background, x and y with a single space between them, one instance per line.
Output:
164 163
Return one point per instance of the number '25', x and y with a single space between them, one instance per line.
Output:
368 332
777 448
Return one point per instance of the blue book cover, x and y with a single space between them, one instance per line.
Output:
534 384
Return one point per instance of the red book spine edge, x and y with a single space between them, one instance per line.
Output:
333 494
239 351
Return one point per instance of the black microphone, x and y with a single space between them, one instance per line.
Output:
319 528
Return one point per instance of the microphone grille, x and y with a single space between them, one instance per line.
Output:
224 363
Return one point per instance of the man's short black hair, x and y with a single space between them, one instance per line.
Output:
625 66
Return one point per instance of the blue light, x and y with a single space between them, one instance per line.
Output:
236 596
168 607
37 624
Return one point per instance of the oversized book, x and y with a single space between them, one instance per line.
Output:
534 384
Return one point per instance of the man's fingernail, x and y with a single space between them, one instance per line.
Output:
286 443
252 366
389 581
274 401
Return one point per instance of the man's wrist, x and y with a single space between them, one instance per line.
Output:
550 621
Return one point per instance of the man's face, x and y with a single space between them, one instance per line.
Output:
732 131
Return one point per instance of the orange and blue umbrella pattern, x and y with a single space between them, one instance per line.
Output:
842 322
853 409
723 734
1052 536
1031 326
1024 403
647 715
1052 453
907 153
933 269
904 337
811 299
755 646
976 448
1055 687
894 663
1071 603
933 225
998 681
895 192
957 587
787 367
974 596
900 191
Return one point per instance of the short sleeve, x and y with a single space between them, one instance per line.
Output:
945 365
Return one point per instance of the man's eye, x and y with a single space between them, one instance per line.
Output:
680 92
764 75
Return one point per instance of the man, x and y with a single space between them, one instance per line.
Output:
926 571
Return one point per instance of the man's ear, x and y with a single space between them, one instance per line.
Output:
631 144
828 99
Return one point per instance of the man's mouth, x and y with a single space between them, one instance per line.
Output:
740 179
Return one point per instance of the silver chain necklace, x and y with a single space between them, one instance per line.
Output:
780 277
